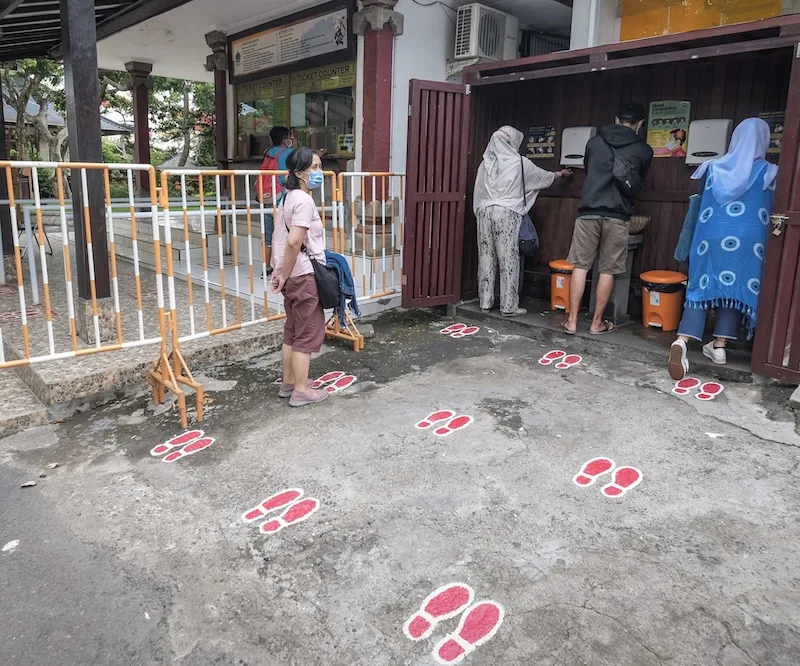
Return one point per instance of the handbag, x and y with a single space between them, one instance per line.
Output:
626 176
528 238
326 277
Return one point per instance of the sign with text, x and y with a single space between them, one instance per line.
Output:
668 128
288 44
324 78
277 86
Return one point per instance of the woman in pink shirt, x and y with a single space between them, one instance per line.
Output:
298 235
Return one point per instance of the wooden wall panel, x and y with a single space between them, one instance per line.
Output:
732 88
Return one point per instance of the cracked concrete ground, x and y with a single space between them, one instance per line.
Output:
124 559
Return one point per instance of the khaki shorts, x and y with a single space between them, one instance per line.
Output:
305 321
604 240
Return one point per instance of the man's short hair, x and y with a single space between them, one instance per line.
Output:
278 135
632 113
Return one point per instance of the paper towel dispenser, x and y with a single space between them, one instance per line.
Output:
573 145
708 139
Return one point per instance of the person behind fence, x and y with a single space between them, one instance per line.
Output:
617 161
275 159
505 183
726 257
298 236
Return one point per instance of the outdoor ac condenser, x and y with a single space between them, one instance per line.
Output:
483 32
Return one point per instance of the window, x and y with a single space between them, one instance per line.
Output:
317 105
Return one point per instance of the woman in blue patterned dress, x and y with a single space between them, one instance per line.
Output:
726 260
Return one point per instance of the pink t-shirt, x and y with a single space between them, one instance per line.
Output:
298 210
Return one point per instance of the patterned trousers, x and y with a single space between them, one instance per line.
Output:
498 244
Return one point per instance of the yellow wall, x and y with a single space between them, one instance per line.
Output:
649 18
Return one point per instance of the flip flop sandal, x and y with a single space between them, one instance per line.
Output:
568 331
608 327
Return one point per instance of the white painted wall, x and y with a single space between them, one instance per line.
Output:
421 52
607 23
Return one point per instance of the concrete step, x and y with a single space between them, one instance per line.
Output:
147 255
21 408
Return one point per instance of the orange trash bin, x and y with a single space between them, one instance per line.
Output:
560 272
662 299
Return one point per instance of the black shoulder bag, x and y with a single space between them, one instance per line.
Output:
528 238
327 278
626 176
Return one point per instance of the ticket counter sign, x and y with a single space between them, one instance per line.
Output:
668 128
331 77
280 46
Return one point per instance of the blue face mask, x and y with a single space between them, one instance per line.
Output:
315 179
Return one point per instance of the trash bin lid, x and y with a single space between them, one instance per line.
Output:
663 277
561 265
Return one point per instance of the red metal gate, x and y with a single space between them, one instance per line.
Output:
438 132
776 352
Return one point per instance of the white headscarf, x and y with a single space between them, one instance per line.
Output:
734 173
499 179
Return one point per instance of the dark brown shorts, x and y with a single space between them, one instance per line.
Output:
602 239
305 321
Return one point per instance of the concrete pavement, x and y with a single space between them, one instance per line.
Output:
125 559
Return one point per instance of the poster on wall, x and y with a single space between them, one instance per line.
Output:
668 128
776 120
541 142
284 45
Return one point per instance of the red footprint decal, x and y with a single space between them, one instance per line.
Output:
552 356
452 329
569 361
327 378
194 447
592 470
710 390
341 384
435 417
624 479
478 624
178 440
458 423
273 503
442 604
463 333
296 513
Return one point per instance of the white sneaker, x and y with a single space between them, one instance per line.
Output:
716 354
678 362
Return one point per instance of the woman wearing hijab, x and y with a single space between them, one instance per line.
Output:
726 260
499 205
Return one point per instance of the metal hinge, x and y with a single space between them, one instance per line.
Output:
797 50
404 280
409 110
469 89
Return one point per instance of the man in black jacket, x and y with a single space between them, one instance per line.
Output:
601 230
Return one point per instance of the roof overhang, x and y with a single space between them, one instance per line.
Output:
32 28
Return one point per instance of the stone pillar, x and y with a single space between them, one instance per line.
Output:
217 62
378 24
141 83
79 39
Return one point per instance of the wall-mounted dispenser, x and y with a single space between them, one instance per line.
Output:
708 139
573 145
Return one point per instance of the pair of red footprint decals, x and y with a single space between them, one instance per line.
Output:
453 422
707 391
459 330
623 478
191 442
334 382
562 360
296 510
479 621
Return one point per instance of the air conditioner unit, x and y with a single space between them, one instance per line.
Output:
483 32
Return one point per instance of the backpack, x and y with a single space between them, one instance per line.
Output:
270 164
626 176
